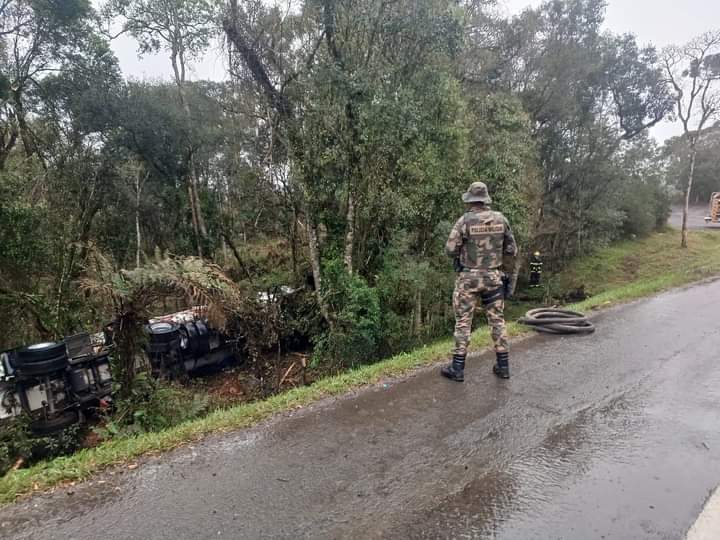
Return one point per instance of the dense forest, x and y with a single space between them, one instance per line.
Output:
329 162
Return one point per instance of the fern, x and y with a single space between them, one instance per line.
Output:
130 296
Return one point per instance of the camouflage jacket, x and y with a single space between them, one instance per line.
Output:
483 240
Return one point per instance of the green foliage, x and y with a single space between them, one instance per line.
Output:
4 87
646 208
504 155
706 178
414 299
153 405
355 334
643 198
15 443
586 93
300 319
21 249
18 443
396 107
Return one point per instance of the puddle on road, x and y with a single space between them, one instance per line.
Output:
486 503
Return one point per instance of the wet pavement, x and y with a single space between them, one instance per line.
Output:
609 436
696 217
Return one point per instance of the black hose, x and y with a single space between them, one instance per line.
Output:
557 321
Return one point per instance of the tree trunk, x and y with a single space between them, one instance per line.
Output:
350 233
336 53
314 252
518 263
138 239
418 314
196 199
286 112
192 181
7 145
225 252
193 213
90 207
688 189
229 242
23 129
293 246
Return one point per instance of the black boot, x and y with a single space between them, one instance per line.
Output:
502 365
456 370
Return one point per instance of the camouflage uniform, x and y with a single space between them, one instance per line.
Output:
484 243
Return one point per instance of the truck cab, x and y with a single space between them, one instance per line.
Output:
714 216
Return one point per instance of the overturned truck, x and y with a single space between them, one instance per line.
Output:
57 384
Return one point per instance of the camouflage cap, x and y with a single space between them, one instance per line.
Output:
477 192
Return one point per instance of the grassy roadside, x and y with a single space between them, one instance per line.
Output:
621 273
658 258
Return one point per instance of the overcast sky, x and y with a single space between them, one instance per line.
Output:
660 22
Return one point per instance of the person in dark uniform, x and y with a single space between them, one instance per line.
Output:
535 270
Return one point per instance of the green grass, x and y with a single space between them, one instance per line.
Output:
621 273
656 259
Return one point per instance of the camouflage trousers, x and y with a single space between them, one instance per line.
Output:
486 287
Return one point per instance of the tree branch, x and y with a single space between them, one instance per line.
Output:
277 99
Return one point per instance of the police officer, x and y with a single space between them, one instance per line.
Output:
482 246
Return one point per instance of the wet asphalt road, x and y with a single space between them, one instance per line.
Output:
696 217
611 436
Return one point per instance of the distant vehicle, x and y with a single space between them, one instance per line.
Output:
57 383
714 216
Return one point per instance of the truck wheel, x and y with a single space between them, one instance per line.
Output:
53 425
202 328
164 337
45 367
199 341
41 352
163 332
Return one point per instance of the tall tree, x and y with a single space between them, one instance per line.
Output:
693 72
587 93
36 39
334 72
55 164
184 29
706 179
276 71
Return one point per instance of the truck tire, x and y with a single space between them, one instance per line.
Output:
199 342
41 352
37 369
164 337
53 425
202 328
163 332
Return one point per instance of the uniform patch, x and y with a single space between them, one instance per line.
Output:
486 229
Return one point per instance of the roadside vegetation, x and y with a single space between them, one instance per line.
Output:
658 257
605 273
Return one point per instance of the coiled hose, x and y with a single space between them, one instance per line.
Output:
557 321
